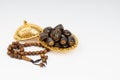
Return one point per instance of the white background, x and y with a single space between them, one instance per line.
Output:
96 23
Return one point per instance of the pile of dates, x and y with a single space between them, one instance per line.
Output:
57 37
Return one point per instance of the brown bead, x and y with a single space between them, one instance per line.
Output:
33 53
30 44
39 44
42 65
21 49
8 52
12 46
37 52
9 48
17 42
21 46
25 53
45 51
15 52
22 53
46 57
40 52
25 45
36 44
43 60
15 46
12 55
29 53
42 55
16 56
19 57
18 52
13 43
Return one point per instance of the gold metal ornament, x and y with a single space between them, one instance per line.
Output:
27 31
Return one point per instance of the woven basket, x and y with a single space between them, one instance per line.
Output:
20 36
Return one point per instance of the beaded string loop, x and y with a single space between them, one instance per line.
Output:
16 50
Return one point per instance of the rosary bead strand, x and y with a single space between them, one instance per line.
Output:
16 50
